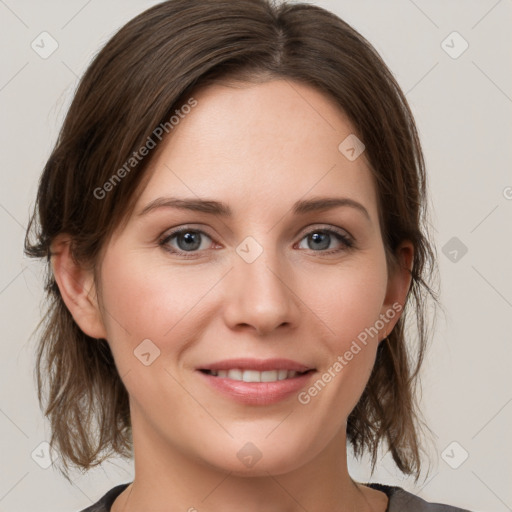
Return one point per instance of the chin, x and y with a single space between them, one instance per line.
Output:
263 468
261 458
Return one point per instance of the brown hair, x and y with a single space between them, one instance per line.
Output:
147 71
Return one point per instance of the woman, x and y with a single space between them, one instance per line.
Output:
233 217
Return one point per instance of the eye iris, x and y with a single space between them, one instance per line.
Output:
321 237
192 240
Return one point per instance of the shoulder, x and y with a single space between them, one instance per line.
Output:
401 500
105 502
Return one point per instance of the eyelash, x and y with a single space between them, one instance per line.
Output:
342 237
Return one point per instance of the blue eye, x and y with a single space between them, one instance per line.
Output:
322 238
190 241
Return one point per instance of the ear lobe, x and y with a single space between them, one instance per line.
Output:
76 285
399 283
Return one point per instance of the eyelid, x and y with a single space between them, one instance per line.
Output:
171 232
346 237
305 230
168 234
326 227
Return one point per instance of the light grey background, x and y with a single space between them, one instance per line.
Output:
463 109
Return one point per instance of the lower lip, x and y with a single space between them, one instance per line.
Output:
257 393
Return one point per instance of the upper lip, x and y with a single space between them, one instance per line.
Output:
257 364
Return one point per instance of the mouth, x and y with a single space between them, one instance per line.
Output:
252 375
256 381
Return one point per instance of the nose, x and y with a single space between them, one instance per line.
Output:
259 295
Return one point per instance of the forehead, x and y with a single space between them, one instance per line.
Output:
261 146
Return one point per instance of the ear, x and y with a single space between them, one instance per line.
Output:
399 282
76 285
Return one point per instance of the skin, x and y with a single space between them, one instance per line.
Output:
258 148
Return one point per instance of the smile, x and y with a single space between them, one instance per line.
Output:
254 375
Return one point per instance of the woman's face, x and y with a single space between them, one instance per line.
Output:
278 283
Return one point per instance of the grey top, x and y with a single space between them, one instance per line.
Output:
399 500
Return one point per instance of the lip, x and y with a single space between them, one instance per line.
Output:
257 393
257 364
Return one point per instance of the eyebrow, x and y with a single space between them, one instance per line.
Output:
219 208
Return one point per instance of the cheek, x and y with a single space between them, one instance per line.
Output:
350 306
147 301
350 300
151 317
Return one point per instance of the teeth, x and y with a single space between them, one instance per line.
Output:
251 376
282 374
254 375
